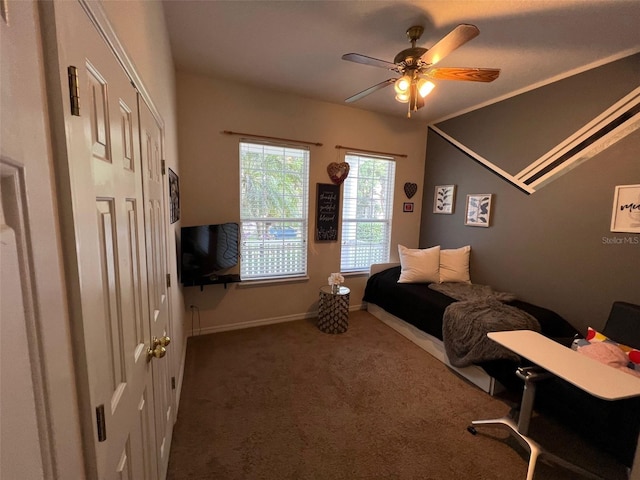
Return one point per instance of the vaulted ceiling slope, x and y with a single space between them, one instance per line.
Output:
296 46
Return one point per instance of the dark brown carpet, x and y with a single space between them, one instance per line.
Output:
287 401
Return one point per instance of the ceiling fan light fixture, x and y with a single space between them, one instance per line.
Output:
402 85
425 87
403 97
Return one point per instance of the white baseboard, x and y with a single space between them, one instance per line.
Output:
435 347
260 322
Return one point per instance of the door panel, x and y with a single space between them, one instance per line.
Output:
99 121
109 269
153 184
106 216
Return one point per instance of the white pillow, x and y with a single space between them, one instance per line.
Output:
419 265
454 265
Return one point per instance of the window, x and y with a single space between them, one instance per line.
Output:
274 187
366 212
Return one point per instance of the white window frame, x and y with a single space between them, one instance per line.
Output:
273 243
356 254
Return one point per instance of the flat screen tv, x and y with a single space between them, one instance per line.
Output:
207 252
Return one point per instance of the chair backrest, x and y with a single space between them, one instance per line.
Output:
623 324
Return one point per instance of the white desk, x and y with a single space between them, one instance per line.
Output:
593 377
585 373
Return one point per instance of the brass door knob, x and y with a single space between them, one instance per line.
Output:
158 347
158 352
162 341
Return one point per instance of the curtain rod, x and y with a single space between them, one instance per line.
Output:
229 132
402 155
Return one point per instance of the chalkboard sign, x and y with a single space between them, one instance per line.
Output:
327 205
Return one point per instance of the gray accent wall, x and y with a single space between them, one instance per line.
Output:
554 247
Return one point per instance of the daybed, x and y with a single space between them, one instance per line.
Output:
416 311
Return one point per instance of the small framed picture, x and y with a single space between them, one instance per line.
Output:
444 199
478 211
407 207
174 197
625 216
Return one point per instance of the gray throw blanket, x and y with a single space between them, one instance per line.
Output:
470 291
479 311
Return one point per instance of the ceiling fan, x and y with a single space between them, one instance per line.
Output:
416 67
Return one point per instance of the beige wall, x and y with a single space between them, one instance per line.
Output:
209 183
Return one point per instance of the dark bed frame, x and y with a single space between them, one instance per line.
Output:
416 311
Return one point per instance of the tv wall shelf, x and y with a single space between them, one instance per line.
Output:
215 280
230 278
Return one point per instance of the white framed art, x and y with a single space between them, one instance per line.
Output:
478 210
625 216
444 199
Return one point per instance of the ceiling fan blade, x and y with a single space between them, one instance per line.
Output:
374 62
465 74
369 90
454 39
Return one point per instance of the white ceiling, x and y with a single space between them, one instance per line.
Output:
296 46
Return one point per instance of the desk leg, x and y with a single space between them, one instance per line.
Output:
530 375
528 397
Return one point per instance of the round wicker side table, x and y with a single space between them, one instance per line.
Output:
333 309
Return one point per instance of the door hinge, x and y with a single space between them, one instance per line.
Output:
168 280
164 167
101 423
173 383
74 92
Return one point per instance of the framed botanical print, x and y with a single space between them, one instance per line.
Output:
444 199
478 211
